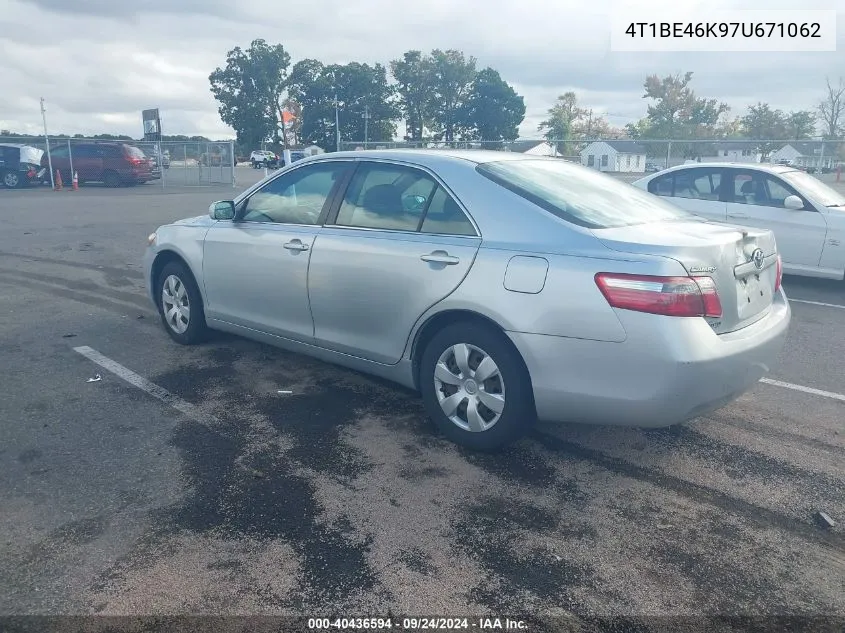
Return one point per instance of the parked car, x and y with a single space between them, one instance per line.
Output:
806 216
20 164
113 164
503 287
161 159
651 167
263 158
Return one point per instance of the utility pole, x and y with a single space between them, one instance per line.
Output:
47 142
366 124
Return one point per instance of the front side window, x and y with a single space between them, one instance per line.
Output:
296 197
578 195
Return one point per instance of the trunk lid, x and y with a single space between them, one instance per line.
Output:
707 249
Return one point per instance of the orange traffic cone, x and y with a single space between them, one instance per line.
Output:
75 182
58 180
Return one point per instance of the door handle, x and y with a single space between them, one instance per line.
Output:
738 216
296 245
440 257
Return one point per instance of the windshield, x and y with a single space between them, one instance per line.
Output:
814 188
579 195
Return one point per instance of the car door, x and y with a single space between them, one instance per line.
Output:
87 161
695 189
398 243
255 267
756 199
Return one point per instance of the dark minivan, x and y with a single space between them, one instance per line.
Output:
113 164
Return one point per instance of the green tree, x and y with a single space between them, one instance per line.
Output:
561 120
452 76
251 90
359 88
676 112
761 122
800 124
492 110
414 78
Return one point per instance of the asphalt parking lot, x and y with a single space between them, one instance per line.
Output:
184 481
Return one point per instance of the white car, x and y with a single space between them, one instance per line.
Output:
806 216
262 158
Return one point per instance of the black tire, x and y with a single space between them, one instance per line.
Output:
112 179
197 331
518 414
12 179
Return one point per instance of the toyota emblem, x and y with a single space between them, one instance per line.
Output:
757 257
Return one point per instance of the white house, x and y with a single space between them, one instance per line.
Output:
807 154
532 148
623 156
737 151
313 150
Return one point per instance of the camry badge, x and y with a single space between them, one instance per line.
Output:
702 269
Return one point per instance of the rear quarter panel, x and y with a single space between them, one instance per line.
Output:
569 304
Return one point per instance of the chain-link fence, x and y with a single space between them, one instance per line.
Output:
626 156
128 162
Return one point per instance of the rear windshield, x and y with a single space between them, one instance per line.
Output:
580 195
134 152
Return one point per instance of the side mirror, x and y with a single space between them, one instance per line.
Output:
222 210
793 202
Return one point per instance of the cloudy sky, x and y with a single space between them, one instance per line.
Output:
98 63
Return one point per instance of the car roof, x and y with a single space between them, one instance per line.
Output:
766 167
433 157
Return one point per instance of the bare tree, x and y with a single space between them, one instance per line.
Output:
832 109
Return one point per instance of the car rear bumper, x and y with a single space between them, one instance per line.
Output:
668 370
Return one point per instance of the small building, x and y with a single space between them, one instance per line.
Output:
312 150
619 156
735 151
807 154
532 148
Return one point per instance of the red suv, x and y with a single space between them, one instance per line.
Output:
113 164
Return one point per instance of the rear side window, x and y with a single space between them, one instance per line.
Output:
579 195
134 152
699 183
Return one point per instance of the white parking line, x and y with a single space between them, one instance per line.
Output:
196 414
817 303
815 392
144 385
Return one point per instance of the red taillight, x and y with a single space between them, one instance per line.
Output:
778 274
670 296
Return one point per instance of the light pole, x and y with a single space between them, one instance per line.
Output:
47 142
366 117
336 122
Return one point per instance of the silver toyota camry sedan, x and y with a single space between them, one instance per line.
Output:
504 288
